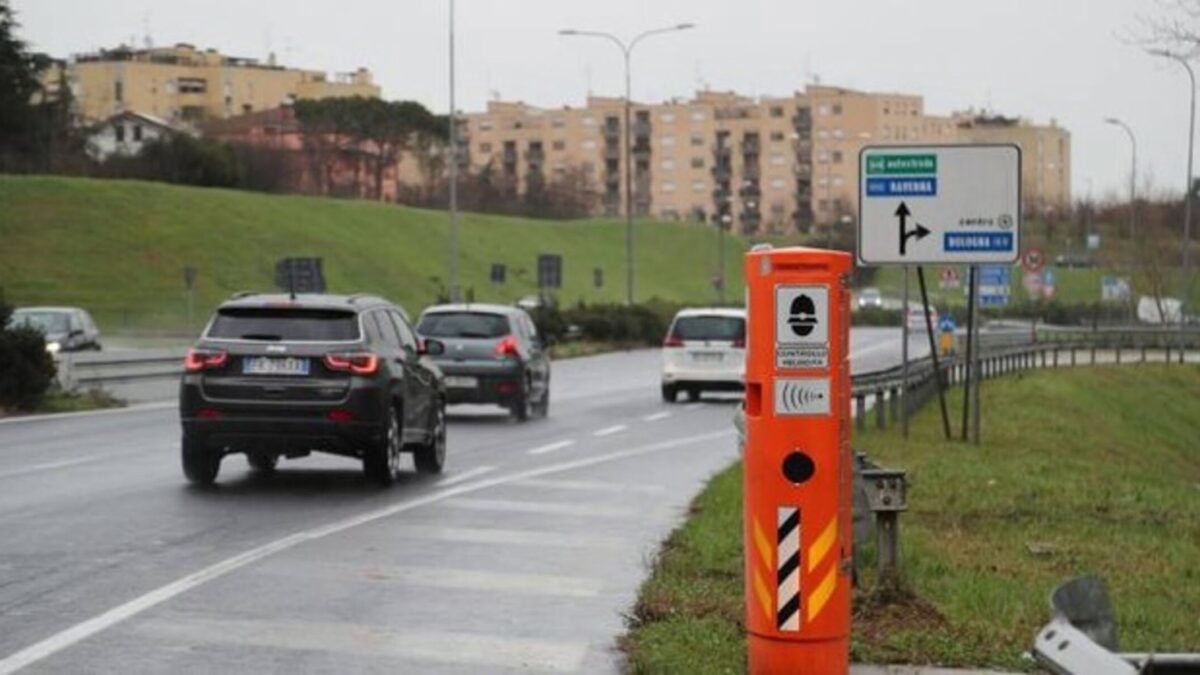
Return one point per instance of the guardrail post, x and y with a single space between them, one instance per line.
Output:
1093 353
860 412
1143 353
887 491
1055 356
1168 360
1072 354
880 411
1043 353
894 404
1118 353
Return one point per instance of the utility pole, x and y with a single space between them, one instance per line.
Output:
455 288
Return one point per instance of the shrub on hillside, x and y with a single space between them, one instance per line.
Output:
638 324
26 368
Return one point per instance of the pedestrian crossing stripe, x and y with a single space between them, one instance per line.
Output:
787 617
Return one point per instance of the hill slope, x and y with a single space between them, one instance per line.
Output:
119 249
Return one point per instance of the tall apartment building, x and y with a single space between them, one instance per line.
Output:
182 84
769 164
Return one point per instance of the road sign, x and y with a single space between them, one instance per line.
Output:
549 270
1114 289
939 204
1033 283
801 327
948 278
1033 260
995 285
499 273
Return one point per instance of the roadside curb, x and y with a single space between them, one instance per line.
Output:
43 417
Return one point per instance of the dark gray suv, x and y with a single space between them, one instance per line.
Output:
493 355
278 375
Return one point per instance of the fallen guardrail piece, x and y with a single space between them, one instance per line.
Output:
887 495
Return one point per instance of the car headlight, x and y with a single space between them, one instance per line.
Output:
53 347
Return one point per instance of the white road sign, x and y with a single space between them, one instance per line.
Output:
939 204
801 327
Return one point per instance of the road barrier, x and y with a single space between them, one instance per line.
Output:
92 370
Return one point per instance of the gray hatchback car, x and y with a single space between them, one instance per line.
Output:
493 355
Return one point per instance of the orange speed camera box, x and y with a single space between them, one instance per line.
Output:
798 461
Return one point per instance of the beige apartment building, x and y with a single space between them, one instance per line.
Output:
182 84
757 164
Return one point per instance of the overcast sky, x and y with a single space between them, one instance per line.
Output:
1042 59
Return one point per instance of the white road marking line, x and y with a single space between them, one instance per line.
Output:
497 537
465 476
591 486
656 416
548 508
50 466
56 417
85 629
609 431
441 577
551 447
485 651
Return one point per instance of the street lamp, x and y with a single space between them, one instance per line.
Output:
626 51
455 294
1187 188
1132 168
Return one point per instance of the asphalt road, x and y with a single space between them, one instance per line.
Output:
523 556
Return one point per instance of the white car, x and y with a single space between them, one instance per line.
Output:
705 350
916 320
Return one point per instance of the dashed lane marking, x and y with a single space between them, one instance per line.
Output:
656 416
552 447
465 476
549 508
609 431
85 629
594 486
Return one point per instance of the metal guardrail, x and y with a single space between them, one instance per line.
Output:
95 370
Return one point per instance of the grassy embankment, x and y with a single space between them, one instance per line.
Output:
119 249
1089 471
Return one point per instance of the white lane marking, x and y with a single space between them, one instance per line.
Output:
472 649
442 577
548 508
551 447
609 431
656 416
591 486
497 537
85 629
465 476
50 466
56 417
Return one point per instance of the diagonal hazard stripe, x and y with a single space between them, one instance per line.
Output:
789 524
763 544
821 547
820 596
789 615
763 593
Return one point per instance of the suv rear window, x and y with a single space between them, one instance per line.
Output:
727 328
464 325
279 323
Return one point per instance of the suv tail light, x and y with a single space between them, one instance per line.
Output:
672 341
739 343
358 363
507 347
204 359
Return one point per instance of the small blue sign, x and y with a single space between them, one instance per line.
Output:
963 242
993 300
946 324
919 186
1048 276
995 275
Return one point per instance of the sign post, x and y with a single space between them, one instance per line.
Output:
798 464
940 204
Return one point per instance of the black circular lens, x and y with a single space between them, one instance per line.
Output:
798 467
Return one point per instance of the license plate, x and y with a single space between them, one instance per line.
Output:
261 365
707 357
462 382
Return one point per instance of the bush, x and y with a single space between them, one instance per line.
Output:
26 368
638 324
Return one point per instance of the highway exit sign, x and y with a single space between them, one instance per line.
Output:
939 204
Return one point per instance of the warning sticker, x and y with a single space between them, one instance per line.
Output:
802 396
801 327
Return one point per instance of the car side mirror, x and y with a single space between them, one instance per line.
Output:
430 347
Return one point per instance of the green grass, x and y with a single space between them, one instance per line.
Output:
1086 471
119 249
66 402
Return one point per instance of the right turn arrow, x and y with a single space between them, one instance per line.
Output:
919 232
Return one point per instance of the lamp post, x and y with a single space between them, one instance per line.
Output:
1187 189
1132 194
455 294
626 51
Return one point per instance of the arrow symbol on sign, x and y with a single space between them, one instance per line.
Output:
919 232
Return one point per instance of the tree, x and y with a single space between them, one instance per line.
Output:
390 129
326 127
19 84
1177 29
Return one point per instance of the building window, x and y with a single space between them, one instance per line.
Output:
559 145
698 116
589 168
247 108
668 187
778 159
838 133
667 117
485 147
697 162
837 108
822 134
823 110
589 145
557 123
119 91
698 186
119 130
778 208
823 157
485 125
697 140
668 165
518 124
776 111
588 121
837 181
193 85
776 136
668 141
822 204
837 156
777 183
137 133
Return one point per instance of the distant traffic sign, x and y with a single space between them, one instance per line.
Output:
939 204
1033 260
995 285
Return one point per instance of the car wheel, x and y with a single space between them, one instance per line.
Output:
200 466
520 407
263 462
430 457
381 462
669 393
693 395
